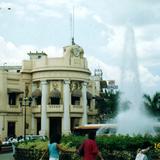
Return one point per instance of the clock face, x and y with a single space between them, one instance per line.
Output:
76 51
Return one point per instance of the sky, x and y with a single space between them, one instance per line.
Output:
99 28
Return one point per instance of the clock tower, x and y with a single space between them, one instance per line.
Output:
76 51
75 55
73 50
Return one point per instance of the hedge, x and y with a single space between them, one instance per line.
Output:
115 147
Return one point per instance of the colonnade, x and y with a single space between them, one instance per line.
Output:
66 104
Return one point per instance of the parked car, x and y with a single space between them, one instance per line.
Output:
10 141
31 137
18 139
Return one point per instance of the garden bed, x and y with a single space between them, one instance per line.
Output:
112 148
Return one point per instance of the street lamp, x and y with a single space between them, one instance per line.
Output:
24 102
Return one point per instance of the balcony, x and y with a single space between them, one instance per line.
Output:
92 111
36 109
54 108
76 109
13 108
50 108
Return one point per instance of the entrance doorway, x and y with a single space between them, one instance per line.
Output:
38 125
11 129
55 126
74 122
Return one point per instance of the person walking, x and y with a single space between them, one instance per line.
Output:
89 149
142 153
54 147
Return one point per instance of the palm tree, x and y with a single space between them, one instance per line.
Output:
107 105
153 103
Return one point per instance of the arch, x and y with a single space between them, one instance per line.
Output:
36 93
55 93
76 93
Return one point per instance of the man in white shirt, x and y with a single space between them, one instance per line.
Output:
141 155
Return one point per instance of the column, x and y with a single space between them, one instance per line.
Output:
1 127
44 99
47 127
33 89
84 103
33 124
66 103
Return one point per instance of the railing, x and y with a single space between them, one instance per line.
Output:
60 108
55 108
13 108
92 111
36 109
76 108
50 108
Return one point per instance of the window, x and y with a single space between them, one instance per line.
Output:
55 100
12 98
75 100
38 100
89 103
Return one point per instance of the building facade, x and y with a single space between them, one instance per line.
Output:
62 89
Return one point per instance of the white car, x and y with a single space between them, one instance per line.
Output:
10 141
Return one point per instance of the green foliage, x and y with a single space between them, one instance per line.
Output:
152 103
38 145
117 147
107 104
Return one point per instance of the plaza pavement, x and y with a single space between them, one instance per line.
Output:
6 156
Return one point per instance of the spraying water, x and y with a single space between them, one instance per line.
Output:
132 118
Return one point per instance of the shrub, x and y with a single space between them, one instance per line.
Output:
112 147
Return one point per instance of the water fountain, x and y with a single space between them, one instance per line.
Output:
132 117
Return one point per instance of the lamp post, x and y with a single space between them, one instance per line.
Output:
24 102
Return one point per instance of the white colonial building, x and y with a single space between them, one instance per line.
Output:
62 89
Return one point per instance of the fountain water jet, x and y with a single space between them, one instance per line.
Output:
132 117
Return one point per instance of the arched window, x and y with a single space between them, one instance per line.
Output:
37 96
55 96
76 95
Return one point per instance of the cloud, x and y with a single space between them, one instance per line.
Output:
135 12
149 82
17 53
13 54
109 72
82 12
101 27
31 9
98 19
53 51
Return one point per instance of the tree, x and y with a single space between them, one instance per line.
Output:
152 104
107 105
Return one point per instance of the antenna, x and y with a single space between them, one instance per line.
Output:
72 27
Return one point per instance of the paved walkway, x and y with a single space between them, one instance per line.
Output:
6 156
